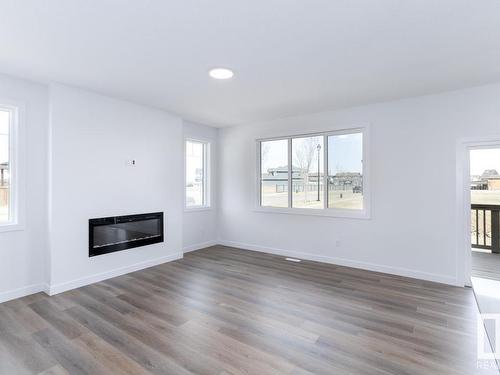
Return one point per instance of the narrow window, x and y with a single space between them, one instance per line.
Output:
6 207
196 189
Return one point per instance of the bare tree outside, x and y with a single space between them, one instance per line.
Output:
264 151
303 184
303 152
305 156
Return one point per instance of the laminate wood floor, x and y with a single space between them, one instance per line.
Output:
486 265
222 310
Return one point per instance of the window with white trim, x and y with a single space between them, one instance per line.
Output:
8 118
197 174
321 172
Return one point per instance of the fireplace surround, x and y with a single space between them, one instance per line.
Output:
116 233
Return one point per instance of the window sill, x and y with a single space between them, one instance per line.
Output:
11 227
197 209
333 213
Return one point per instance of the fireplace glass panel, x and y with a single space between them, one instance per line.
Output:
111 234
106 235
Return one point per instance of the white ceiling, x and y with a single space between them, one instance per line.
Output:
290 56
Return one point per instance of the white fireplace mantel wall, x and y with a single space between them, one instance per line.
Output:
77 148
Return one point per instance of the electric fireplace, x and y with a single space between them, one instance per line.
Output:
110 234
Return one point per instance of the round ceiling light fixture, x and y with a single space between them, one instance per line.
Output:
221 73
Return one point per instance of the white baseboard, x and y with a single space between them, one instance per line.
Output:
347 262
73 284
22 292
199 246
62 287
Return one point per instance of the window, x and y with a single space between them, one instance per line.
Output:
274 173
345 171
319 173
197 154
7 212
307 172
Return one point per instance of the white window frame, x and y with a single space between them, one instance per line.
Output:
16 185
207 197
365 213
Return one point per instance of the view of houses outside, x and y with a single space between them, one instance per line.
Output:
485 176
344 180
307 188
274 173
4 166
485 190
345 171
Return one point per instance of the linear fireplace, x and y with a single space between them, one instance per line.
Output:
109 234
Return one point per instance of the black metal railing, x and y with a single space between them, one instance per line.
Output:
485 227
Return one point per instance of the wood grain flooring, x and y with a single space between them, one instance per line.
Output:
486 265
226 311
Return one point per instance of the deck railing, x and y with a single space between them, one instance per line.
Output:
485 227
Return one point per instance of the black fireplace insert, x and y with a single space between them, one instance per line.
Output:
109 234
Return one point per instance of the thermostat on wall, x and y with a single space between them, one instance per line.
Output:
132 162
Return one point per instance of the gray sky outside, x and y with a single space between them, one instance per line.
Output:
483 159
274 154
345 153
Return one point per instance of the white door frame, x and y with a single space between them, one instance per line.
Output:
463 212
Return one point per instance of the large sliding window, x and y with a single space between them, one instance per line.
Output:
322 173
197 174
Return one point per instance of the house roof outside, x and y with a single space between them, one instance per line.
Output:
488 173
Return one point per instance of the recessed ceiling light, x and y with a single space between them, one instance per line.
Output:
221 73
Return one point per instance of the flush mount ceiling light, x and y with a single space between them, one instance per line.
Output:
221 73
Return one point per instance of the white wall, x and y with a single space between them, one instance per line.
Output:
413 151
76 145
22 253
200 226
412 230
92 138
